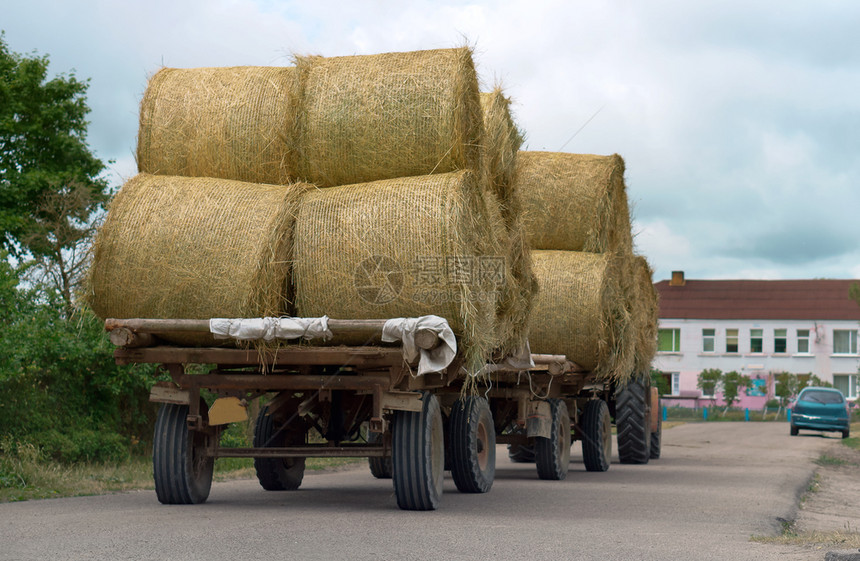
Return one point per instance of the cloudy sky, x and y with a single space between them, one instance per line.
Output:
739 121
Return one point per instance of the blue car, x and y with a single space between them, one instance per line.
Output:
821 409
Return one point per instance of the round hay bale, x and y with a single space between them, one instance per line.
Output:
365 118
572 201
502 141
217 122
517 295
645 314
579 313
400 248
196 248
516 292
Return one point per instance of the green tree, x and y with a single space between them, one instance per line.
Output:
50 188
709 380
854 292
661 381
786 387
60 388
733 382
818 382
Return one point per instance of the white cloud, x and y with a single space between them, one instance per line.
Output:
665 249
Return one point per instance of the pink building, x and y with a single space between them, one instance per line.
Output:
757 328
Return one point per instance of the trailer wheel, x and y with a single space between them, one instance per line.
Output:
181 468
473 445
596 436
552 455
276 474
380 468
521 454
633 421
418 456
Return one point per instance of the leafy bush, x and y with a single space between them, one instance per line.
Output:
59 385
82 445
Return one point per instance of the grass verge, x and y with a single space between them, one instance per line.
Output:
847 539
26 475
854 441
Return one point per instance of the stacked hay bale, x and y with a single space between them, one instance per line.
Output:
393 144
370 130
217 122
196 248
420 203
502 141
398 247
578 225
364 118
645 314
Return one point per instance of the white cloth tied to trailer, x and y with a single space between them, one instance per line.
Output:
270 328
429 361
395 329
521 359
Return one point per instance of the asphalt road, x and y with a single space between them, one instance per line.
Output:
716 485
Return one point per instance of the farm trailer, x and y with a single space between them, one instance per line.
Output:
411 419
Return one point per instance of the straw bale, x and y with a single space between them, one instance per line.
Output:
516 292
517 296
579 313
217 122
365 118
571 201
502 141
645 314
398 248
177 247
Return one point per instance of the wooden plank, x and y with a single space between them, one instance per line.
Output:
164 392
279 382
124 337
364 357
361 451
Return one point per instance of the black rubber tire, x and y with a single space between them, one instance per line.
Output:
521 454
472 438
380 468
633 423
596 436
657 435
794 430
552 455
276 474
418 456
846 433
182 471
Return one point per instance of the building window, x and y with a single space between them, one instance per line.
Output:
844 342
709 337
676 383
780 340
803 341
847 384
731 340
756 341
669 340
